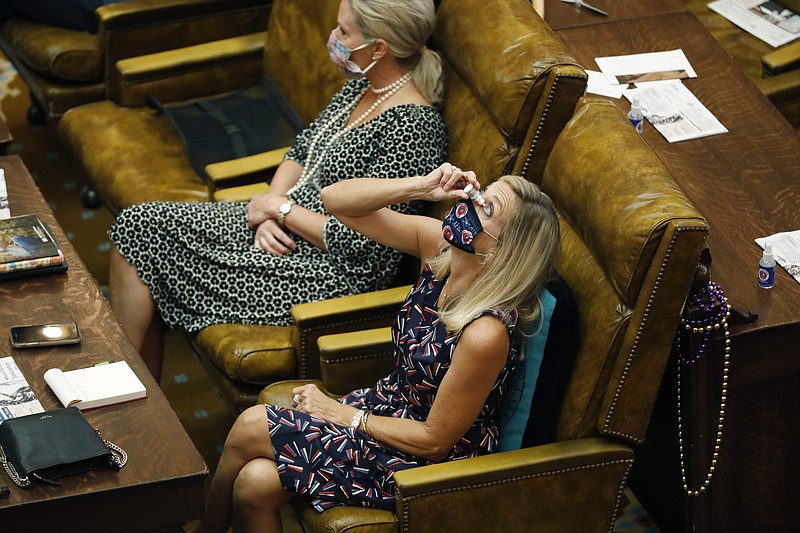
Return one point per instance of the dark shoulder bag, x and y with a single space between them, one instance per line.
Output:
246 122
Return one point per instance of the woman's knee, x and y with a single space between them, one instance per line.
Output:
249 435
258 487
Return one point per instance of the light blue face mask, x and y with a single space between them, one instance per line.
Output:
340 55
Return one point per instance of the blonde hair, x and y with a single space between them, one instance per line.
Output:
523 261
405 25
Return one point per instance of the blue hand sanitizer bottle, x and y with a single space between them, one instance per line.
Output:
635 115
766 268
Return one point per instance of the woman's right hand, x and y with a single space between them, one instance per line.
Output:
448 181
270 236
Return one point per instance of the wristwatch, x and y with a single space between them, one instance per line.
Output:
284 210
356 420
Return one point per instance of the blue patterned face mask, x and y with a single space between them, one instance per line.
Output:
461 225
340 55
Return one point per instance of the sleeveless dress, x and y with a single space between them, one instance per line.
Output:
337 465
198 258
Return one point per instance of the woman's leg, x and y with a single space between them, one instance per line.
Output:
136 310
258 497
247 454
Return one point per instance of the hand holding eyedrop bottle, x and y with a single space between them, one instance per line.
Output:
475 195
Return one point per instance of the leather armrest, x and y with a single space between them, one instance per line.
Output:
200 70
280 393
339 315
131 29
355 359
128 14
784 59
170 62
784 92
538 485
243 171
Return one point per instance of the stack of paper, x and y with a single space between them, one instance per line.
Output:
666 103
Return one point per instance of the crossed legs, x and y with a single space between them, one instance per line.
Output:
246 491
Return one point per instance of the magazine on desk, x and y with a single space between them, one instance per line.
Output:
26 245
768 21
16 396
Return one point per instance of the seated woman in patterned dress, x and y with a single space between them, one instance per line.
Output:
456 339
197 264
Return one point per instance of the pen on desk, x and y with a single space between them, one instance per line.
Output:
103 363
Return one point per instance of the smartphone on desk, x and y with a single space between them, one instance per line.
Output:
45 335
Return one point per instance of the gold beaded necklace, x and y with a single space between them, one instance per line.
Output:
707 329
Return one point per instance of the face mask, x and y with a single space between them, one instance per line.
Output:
340 55
461 225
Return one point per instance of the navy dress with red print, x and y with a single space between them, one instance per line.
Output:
337 465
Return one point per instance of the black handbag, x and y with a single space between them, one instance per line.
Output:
249 121
44 446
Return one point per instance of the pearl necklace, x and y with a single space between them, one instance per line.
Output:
398 83
309 168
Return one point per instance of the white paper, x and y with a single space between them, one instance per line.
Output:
16 396
95 386
5 212
598 84
785 250
674 111
651 66
765 20
62 388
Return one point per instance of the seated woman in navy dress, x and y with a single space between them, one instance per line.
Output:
456 341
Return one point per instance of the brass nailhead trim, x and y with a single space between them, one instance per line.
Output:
629 462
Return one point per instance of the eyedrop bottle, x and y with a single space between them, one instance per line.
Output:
475 195
766 268
635 115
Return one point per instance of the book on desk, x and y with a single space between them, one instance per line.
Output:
95 386
28 248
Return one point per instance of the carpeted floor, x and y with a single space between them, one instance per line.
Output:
184 382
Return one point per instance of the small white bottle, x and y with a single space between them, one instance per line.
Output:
475 195
635 115
766 268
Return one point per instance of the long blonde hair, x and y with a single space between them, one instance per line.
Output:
405 25
523 261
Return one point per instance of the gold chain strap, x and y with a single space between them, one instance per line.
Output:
12 472
723 323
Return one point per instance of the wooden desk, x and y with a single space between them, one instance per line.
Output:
162 484
561 15
5 138
747 185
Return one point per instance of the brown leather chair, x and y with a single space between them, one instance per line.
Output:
64 68
508 94
631 241
776 72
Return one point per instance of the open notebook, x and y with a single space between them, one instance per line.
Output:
95 386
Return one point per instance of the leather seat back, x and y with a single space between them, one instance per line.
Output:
510 86
296 57
631 240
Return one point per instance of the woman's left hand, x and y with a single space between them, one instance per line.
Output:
309 399
448 181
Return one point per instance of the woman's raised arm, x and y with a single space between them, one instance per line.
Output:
361 204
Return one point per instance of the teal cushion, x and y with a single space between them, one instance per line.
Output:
530 408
